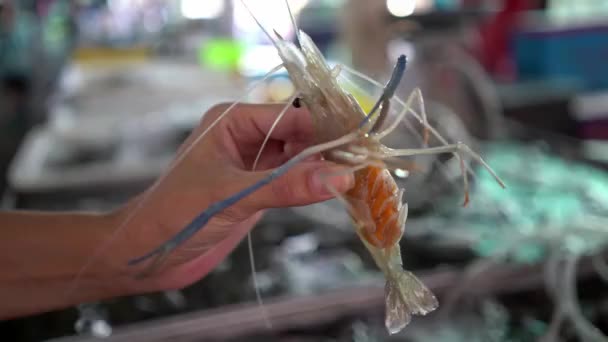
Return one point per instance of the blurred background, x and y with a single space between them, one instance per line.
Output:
96 96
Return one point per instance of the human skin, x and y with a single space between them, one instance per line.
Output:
56 260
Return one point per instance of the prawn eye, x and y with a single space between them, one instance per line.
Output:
296 102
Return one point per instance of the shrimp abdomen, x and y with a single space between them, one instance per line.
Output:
376 188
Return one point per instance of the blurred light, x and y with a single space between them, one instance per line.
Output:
101 329
221 54
258 60
153 22
202 9
424 6
119 5
398 47
297 5
401 8
401 173
280 89
570 11
272 14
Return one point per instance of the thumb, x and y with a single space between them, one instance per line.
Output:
304 184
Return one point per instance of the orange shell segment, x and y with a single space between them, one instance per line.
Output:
374 186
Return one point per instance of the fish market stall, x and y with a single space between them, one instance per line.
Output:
88 135
355 313
525 263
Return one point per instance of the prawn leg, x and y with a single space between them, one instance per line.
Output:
457 148
422 117
416 95
451 148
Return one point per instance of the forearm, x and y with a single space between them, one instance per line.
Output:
43 253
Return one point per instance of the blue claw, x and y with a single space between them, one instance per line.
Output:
390 88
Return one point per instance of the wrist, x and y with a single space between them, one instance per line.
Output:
131 232
109 271
66 254
123 238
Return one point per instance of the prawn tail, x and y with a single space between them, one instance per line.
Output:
405 296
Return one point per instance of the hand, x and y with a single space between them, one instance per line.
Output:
216 167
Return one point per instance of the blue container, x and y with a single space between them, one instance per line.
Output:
579 54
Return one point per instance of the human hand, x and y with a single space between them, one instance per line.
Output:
216 167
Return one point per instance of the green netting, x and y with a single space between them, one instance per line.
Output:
548 199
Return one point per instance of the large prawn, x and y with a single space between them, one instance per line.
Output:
345 134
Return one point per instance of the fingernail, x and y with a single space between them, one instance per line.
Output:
333 176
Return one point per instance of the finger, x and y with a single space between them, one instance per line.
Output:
302 185
277 153
252 122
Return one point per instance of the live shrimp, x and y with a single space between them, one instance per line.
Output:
345 134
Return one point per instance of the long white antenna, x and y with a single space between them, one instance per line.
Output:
256 284
258 295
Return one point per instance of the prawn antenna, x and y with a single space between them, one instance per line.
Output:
203 218
295 25
389 88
